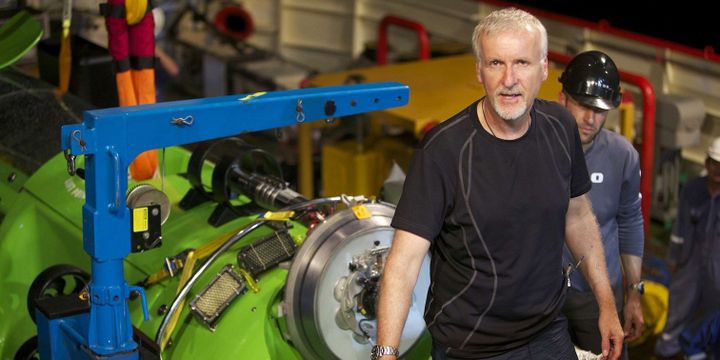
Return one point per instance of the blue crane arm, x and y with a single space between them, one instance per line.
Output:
111 138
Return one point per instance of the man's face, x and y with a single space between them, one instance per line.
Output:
589 120
511 70
713 169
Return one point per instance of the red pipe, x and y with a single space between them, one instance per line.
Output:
238 14
708 53
647 146
423 41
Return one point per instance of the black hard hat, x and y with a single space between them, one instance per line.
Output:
592 79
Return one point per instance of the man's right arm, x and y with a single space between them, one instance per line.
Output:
398 281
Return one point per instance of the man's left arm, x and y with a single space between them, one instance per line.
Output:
583 239
631 239
632 311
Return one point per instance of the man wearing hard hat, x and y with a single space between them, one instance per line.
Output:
591 88
694 254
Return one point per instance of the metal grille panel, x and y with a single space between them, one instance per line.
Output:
217 296
267 253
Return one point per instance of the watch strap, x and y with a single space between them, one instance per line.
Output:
382 350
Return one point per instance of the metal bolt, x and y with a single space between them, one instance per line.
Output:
155 212
146 235
162 310
11 177
253 309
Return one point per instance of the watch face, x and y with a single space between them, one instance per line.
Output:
640 287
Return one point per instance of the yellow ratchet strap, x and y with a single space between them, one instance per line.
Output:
184 278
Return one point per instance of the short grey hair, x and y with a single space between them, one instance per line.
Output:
508 19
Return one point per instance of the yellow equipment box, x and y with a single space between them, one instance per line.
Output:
346 170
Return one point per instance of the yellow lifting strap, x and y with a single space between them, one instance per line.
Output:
135 10
65 62
184 278
199 254
207 249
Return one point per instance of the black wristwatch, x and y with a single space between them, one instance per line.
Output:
638 286
379 351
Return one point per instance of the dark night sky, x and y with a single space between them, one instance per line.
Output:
693 24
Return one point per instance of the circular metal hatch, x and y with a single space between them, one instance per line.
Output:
332 262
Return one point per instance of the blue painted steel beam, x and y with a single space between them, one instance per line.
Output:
111 138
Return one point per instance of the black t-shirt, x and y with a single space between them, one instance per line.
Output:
494 211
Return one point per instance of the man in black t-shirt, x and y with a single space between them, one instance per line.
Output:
494 192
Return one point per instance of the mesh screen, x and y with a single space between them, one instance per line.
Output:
266 253
30 120
216 297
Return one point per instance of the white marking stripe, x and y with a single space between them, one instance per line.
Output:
676 239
